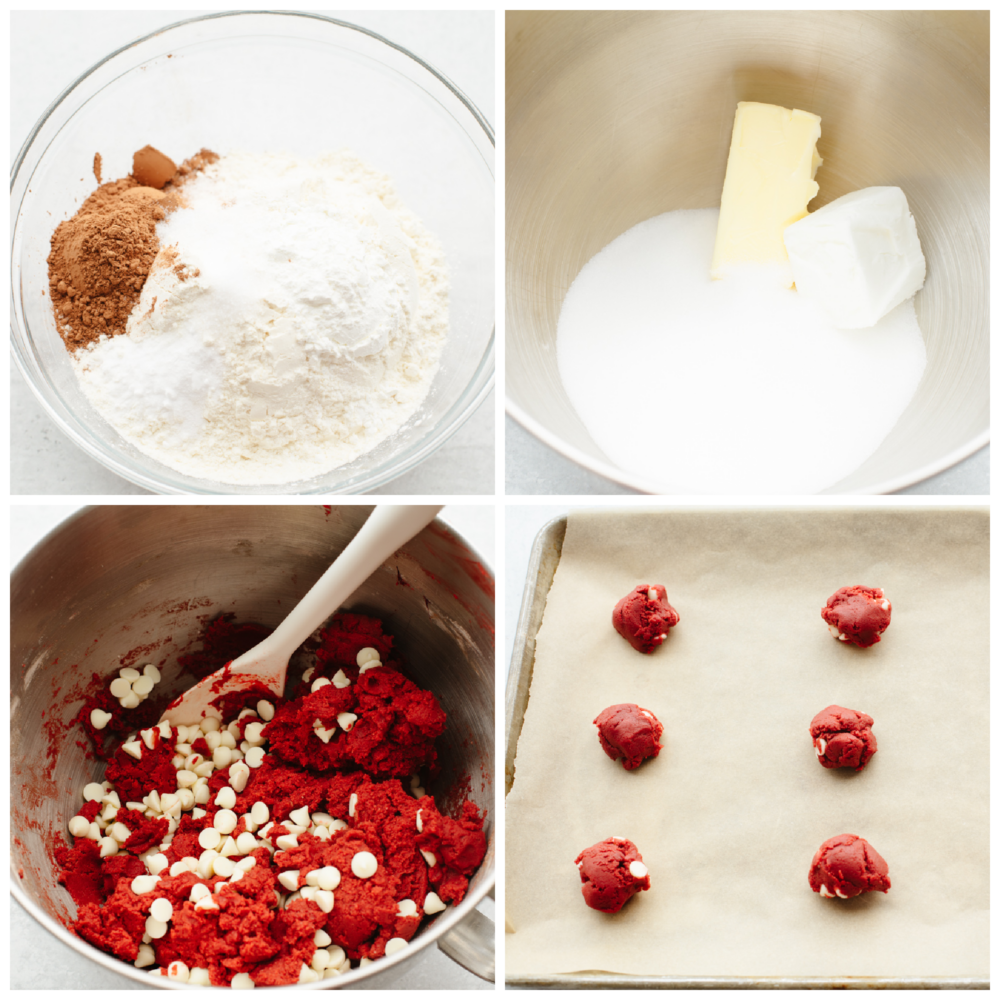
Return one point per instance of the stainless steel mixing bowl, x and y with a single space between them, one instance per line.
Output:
112 579
614 117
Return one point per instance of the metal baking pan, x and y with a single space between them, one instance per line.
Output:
545 555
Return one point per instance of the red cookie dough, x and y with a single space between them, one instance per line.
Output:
644 617
629 732
858 614
843 737
612 872
847 866
256 926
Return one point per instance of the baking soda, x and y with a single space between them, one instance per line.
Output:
305 326
731 386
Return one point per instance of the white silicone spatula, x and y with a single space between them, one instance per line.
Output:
386 529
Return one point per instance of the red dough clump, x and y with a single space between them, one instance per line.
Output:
644 617
629 732
847 866
858 614
254 926
612 872
843 737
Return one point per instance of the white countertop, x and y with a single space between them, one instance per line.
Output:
46 963
50 49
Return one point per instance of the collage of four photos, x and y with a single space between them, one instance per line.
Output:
604 393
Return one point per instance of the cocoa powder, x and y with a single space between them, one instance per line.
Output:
101 257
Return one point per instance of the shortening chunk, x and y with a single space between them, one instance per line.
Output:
859 257
769 182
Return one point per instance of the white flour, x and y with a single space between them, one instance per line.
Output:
731 386
311 333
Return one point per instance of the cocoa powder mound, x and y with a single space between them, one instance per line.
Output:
101 257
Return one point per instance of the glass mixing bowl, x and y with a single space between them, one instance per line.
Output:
264 82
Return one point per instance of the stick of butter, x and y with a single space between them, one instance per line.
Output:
769 182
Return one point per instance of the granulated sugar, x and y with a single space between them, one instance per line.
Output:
730 386
305 327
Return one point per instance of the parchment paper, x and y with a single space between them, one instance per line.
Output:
730 814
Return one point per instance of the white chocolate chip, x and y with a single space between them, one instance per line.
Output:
129 673
131 700
242 981
179 971
225 821
429 858
157 863
406 908
320 682
433 904
206 903
144 883
885 605
346 721
246 842
368 654
265 710
226 799
341 680
142 686
99 719
79 825
823 891
133 749
239 775
364 865
120 687
352 803
199 891
155 928
323 898
254 733
290 879
638 869
840 894
395 944
260 813
146 957
223 866
93 792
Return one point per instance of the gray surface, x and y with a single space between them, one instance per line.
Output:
49 50
534 468
45 963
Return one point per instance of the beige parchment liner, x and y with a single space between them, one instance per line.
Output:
729 815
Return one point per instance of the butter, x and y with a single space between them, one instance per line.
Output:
769 182
858 257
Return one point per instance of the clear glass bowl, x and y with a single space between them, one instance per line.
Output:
258 82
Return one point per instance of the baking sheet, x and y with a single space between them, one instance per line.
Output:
730 814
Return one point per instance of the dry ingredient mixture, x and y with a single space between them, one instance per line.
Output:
251 318
288 843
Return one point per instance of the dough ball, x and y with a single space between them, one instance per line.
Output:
843 737
644 617
629 732
847 866
858 614
612 872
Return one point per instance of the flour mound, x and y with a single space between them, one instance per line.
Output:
293 319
